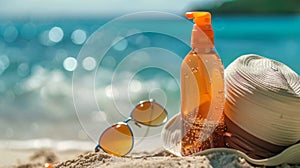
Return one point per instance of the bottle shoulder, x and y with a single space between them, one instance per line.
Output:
202 53
210 58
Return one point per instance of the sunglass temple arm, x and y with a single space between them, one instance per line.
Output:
97 148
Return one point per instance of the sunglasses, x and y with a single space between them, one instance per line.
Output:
118 139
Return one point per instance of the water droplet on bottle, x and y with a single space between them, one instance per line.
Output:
195 70
185 75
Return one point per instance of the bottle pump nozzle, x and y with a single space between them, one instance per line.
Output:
202 21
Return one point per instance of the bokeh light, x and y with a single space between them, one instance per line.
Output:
99 116
56 34
4 63
111 93
44 39
135 86
89 63
70 64
78 36
23 69
121 44
28 31
10 34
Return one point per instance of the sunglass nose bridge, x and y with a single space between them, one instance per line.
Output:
127 120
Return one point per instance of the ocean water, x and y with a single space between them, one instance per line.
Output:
55 82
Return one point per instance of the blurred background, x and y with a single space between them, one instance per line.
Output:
40 42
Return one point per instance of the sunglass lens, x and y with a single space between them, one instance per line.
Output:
149 113
117 139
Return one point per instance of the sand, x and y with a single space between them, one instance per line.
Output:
33 158
163 159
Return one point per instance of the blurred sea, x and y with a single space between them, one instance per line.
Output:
38 57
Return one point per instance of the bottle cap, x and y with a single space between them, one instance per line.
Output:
201 19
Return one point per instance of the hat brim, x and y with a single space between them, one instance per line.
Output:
171 136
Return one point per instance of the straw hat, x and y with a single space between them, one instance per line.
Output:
262 113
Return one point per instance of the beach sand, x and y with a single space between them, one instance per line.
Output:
33 157
38 158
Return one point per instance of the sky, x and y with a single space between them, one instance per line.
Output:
82 8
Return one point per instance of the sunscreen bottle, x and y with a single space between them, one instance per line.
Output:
202 90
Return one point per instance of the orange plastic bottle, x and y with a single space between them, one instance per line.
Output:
202 90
